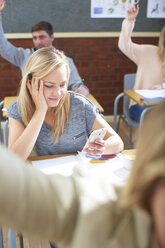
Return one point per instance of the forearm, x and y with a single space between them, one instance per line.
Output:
125 41
23 146
11 53
113 145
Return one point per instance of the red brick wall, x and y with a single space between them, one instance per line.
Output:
99 62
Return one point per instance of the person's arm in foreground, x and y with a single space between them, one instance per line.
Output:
21 139
35 203
111 143
131 50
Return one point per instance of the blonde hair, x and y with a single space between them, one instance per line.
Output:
161 50
39 64
148 169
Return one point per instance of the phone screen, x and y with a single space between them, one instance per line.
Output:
30 77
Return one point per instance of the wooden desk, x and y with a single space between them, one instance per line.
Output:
135 97
130 154
9 99
95 102
35 158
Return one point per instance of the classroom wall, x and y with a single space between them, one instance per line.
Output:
71 16
99 62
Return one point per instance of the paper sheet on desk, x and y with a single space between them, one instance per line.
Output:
65 166
151 93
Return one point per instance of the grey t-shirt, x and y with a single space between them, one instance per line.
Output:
82 115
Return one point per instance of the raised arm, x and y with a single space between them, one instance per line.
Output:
130 49
16 56
22 139
2 5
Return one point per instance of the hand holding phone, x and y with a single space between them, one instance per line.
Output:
96 134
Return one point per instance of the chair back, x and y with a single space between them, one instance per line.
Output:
3 106
129 81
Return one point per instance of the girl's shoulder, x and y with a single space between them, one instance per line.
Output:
13 107
79 99
79 103
14 112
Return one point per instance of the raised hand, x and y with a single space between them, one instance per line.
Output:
132 12
2 5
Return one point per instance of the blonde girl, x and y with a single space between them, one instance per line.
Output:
52 119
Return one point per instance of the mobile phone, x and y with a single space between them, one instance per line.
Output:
97 134
137 1
30 77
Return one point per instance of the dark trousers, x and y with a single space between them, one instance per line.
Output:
135 112
52 246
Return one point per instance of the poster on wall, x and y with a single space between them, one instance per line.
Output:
110 8
156 9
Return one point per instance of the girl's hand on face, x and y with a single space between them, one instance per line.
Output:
36 90
95 149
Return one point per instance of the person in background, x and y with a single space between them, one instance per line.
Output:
52 119
150 59
88 211
43 36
